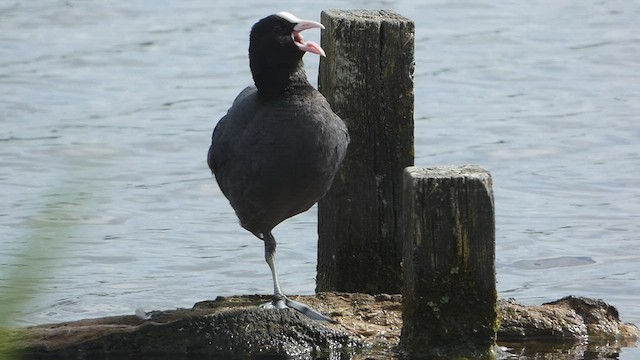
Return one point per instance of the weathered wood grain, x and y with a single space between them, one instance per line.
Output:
367 77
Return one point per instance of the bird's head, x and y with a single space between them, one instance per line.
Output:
279 34
276 45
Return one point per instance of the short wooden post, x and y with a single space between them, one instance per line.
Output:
367 77
449 296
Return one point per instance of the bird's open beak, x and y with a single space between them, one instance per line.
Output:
308 46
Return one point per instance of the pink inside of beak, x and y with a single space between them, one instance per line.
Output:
308 46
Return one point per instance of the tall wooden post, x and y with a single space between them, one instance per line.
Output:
367 77
449 296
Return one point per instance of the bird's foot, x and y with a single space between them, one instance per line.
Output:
278 302
283 302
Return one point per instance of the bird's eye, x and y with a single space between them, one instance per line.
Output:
277 29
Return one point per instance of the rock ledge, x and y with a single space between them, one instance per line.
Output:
233 327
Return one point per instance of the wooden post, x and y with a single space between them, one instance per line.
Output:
367 77
449 296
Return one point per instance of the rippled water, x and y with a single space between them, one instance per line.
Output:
106 111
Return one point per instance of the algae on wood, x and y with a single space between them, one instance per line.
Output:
449 294
367 77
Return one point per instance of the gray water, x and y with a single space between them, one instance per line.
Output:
106 111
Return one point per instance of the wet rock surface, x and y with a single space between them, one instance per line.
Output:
233 327
568 319
570 328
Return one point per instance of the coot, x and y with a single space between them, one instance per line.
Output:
276 151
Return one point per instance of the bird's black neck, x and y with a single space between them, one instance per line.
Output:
275 81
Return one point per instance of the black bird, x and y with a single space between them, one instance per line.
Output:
276 151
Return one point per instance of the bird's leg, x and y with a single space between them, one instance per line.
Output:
280 301
270 257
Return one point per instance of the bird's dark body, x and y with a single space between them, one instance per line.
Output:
274 158
276 151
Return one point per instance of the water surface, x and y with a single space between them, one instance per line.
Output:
107 109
